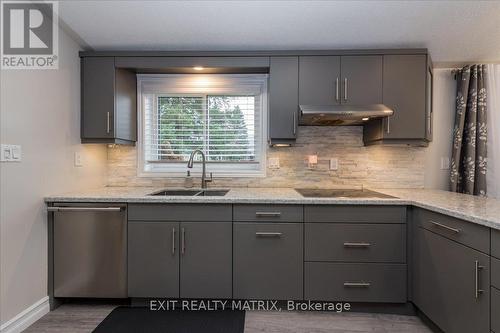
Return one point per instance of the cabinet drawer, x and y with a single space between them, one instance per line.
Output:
362 214
355 282
495 310
180 212
355 242
495 272
495 243
267 261
268 213
464 232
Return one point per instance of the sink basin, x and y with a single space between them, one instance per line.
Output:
191 193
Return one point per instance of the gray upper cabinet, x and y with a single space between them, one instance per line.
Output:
319 80
108 102
361 79
407 89
283 99
451 283
331 80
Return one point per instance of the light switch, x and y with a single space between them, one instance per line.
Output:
334 163
445 163
273 162
78 159
5 153
16 153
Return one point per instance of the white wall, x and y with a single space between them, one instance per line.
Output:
444 118
40 110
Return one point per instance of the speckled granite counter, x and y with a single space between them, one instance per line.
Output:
482 211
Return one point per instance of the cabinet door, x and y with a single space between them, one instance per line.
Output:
268 261
361 79
447 283
153 259
98 97
319 80
283 98
206 260
405 79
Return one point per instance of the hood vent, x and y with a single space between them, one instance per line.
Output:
336 115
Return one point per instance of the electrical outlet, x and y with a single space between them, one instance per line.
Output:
445 163
273 162
78 159
15 153
334 163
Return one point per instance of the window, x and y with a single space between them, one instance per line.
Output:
222 115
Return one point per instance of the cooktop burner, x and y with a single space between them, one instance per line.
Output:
327 193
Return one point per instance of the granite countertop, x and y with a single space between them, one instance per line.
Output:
484 211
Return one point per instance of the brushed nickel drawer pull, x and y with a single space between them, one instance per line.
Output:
345 89
357 244
337 89
268 234
476 278
268 214
107 122
183 241
445 227
357 284
173 240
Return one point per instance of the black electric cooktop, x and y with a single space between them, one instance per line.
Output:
327 193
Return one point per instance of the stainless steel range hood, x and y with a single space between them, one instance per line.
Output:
334 115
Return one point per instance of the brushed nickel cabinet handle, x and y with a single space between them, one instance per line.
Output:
337 89
345 89
84 209
294 122
443 226
107 122
183 241
268 234
267 214
388 128
357 244
357 284
173 240
478 290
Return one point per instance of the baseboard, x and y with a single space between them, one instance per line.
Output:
27 317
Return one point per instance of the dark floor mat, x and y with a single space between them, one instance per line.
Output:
143 320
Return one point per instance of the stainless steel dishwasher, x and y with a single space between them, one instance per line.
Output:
90 250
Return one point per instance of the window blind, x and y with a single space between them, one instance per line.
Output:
222 117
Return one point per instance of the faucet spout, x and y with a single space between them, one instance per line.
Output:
190 163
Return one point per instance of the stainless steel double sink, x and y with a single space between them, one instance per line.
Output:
191 193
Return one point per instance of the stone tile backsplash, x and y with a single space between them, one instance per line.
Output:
373 166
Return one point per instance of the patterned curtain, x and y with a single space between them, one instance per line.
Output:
468 162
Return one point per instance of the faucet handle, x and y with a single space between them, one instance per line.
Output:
211 178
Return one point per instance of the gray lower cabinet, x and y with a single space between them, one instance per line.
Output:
283 99
451 283
355 282
108 98
495 310
187 259
206 260
268 261
355 242
153 259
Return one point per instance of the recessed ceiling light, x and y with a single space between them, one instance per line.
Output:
198 68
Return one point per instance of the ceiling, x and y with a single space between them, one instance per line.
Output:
453 31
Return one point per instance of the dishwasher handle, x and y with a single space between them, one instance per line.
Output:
84 209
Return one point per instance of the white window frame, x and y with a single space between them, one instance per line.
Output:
247 83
